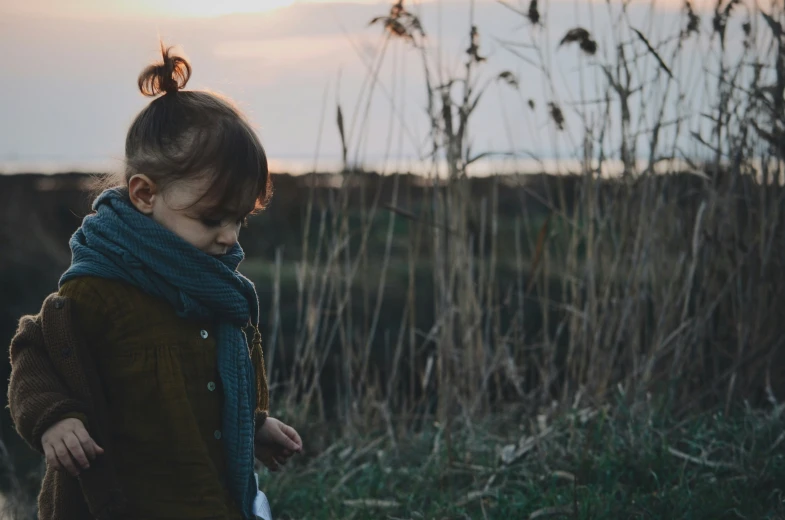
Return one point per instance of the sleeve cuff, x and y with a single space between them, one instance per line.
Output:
77 415
54 415
260 418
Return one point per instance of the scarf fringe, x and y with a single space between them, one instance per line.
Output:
257 358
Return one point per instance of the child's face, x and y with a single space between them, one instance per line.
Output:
195 221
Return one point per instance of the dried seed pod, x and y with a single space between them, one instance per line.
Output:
533 14
556 115
509 78
693 21
583 38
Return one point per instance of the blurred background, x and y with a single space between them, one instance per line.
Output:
523 257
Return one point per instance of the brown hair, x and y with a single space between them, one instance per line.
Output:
183 134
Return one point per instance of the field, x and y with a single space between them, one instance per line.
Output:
586 464
542 346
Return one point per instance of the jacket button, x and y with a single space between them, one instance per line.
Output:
217 434
66 352
204 334
59 304
211 386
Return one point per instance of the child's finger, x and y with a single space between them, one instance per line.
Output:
294 442
65 459
288 443
87 441
88 445
291 433
51 457
75 447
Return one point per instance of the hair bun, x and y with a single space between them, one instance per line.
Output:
169 76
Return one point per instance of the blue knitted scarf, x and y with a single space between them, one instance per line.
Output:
119 242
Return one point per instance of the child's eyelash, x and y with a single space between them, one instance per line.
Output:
209 222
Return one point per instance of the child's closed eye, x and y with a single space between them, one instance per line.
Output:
211 222
214 222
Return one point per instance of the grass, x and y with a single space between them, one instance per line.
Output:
587 463
641 282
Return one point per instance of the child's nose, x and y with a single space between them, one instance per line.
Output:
228 236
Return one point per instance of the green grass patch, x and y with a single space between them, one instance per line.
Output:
587 464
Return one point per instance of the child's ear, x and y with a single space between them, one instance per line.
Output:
141 190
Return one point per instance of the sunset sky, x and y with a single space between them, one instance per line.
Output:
68 72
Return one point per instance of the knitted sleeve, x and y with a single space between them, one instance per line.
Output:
37 398
92 307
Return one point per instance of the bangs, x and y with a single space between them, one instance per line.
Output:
235 159
198 134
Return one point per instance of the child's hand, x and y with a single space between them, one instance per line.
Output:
68 441
276 442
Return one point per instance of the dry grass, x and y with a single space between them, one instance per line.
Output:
665 284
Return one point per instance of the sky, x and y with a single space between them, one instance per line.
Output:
68 72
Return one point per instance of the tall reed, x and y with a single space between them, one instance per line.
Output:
663 280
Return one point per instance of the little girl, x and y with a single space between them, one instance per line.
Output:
137 380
